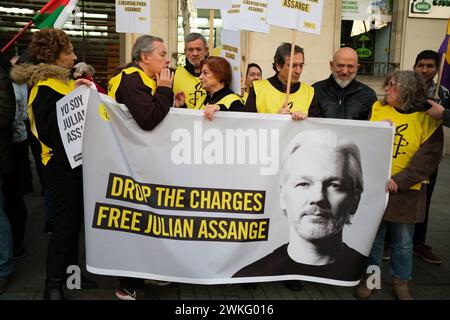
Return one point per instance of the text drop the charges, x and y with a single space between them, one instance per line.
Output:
132 220
180 198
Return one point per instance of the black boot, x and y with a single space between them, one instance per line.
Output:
53 289
87 282
293 285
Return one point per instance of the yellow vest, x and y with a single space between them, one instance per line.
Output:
58 86
114 83
227 100
411 131
270 100
191 86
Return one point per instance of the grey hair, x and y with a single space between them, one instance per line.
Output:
82 68
144 44
283 51
194 36
412 90
330 141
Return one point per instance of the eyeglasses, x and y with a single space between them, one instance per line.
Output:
392 84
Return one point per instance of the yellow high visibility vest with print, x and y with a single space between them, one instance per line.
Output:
60 87
411 131
114 83
270 100
227 100
191 86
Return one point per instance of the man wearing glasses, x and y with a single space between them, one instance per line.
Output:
341 95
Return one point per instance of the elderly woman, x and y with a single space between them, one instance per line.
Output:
417 151
49 82
216 79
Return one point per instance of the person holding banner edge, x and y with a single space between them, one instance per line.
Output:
268 96
145 87
417 151
145 84
50 81
186 78
427 64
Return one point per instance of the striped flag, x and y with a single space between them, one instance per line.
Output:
445 50
54 14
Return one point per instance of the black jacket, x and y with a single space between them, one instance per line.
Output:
148 110
7 112
352 102
219 95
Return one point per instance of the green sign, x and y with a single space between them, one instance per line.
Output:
422 6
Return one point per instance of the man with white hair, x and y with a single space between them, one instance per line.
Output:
321 182
341 95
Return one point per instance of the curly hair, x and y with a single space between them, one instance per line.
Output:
412 90
47 44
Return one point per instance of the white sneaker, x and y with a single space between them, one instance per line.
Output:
124 294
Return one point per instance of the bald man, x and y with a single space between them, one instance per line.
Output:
341 96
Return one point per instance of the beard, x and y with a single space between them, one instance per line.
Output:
326 229
343 82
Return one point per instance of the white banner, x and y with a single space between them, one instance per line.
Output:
301 15
231 50
253 16
242 198
70 112
356 9
133 16
230 17
212 4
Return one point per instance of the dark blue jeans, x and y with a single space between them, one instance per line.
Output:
6 243
401 235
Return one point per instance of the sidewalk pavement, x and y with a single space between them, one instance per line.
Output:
430 282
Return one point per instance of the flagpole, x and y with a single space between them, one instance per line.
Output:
291 62
438 84
243 59
6 47
211 31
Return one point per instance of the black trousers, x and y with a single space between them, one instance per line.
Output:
14 185
131 283
65 188
420 230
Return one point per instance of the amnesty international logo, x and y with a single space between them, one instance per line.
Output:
196 96
399 140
